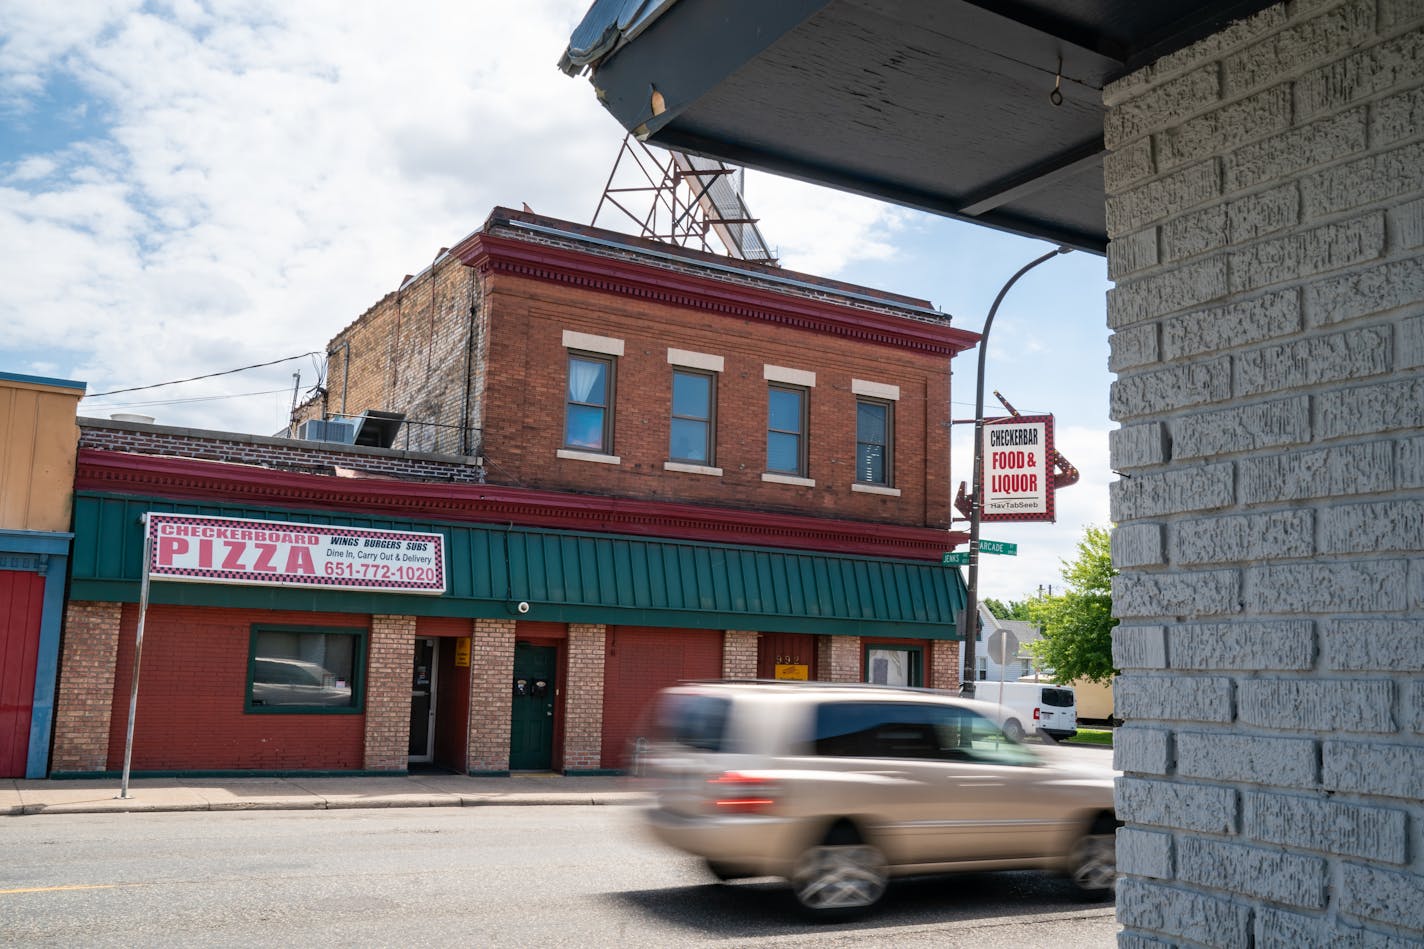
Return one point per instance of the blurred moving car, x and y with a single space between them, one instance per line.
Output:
837 788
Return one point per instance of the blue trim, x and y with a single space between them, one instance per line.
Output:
45 553
488 774
43 381
35 542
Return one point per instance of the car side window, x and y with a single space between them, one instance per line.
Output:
914 731
697 721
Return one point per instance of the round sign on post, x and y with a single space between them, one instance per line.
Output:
1003 646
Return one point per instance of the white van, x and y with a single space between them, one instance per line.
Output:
1033 708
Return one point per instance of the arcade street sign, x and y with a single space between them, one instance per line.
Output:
960 558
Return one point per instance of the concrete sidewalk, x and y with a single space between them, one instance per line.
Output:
21 797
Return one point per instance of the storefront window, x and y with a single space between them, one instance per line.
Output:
894 665
300 669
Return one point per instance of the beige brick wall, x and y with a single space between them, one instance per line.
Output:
838 658
388 671
583 702
944 665
739 654
491 672
411 352
85 698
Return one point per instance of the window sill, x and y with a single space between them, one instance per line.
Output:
789 479
572 455
875 489
692 469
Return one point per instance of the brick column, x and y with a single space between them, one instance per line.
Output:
739 654
1266 214
583 699
838 658
944 665
491 675
85 699
388 669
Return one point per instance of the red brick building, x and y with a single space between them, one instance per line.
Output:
645 464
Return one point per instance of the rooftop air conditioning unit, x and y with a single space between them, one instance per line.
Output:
342 431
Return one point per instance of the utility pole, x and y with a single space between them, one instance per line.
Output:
971 599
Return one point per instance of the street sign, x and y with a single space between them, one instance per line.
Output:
955 559
998 547
1003 646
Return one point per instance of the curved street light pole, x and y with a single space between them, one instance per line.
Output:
971 599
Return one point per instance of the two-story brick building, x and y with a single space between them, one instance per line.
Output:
644 464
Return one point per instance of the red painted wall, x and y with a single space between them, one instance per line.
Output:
192 690
797 648
21 605
638 661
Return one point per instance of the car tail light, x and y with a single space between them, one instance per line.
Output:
1035 713
736 793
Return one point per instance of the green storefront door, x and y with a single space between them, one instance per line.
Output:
531 743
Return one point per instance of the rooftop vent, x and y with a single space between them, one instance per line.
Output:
378 429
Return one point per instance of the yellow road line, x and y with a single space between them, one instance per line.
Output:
52 889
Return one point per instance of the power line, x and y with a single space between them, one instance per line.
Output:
211 375
201 398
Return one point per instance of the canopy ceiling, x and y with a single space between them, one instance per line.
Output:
943 105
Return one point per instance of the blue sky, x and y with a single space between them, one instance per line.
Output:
188 187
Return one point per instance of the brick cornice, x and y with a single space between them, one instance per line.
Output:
501 255
189 479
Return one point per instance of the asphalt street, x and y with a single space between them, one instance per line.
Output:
575 875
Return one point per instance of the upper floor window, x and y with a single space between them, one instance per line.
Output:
786 430
873 422
694 401
588 415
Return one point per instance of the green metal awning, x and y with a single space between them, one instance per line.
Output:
565 576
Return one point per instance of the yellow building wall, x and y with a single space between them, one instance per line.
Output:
39 440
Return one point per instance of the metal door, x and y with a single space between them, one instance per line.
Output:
422 702
21 607
531 740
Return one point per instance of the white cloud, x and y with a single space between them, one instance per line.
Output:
251 176
819 231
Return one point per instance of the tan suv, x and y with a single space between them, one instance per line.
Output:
836 788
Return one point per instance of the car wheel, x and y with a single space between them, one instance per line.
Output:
1093 868
839 878
1013 729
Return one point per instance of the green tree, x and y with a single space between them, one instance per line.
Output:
1007 609
1077 625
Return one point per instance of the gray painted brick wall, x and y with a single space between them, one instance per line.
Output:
1266 208
1329 826
1259 872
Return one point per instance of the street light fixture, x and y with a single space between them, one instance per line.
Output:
971 599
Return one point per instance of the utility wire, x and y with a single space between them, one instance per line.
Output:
200 398
211 375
